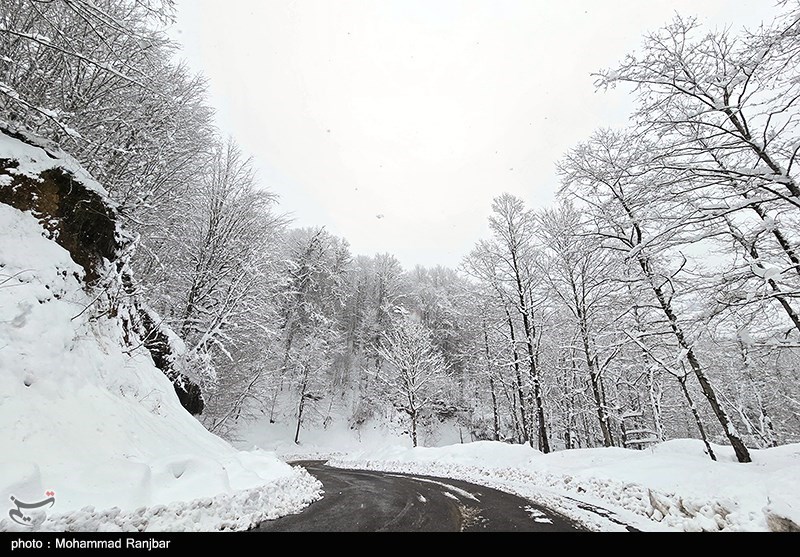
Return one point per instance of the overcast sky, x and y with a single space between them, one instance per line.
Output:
395 123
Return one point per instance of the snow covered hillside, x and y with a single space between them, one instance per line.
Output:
671 486
88 416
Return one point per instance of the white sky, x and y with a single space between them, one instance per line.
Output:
420 111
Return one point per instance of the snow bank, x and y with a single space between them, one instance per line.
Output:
239 510
97 424
672 486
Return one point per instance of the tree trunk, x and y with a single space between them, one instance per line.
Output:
413 416
518 375
544 443
591 364
742 454
654 394
779 295
604 401
569 443
303 387
587 434
284 367
594 380
495 416
780 237
761 152
654 391
515 417
765 428
299 420
569 438
696 414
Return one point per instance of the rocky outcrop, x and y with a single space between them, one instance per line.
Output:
78 218
38 178
161 342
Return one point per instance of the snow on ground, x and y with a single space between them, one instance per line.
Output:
672 486
102 427
319 442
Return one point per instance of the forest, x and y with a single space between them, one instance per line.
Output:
657 298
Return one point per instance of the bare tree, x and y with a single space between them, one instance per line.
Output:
612 175
415 376
513 228
582 277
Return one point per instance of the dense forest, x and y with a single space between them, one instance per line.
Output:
658 298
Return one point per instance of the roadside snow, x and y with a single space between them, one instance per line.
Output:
239 510
672 486
101 426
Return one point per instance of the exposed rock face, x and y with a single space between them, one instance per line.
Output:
160 342
39 179
77 219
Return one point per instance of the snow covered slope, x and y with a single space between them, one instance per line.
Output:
86 414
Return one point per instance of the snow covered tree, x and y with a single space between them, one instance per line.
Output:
582 278
210 274
415 376
483 263
628 198
99 79
727 104
507 262
78 51
311 304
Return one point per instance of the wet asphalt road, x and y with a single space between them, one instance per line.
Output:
369 501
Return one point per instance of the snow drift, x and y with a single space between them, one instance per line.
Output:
86 414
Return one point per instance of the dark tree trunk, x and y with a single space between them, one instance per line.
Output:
696 414
785 244
284 367
742 454
496 418
602 415
751 248
544 443
518 376
303 387
495 415
591 365
413 416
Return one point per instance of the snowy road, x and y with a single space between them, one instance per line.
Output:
368 501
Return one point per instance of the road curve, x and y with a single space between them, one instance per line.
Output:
370 501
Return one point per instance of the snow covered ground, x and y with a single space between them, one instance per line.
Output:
98 425
318 442
672 486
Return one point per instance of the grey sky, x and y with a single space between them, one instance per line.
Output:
395 123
